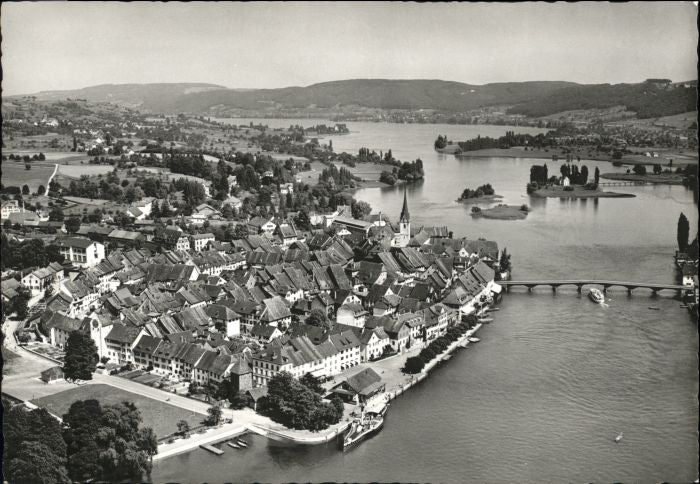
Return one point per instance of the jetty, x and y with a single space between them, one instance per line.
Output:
212 449
605 284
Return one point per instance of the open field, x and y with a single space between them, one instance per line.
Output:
76 171
14 174
163 418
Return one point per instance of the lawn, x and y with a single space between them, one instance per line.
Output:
163 418
15 175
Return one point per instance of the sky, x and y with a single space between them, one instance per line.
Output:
69 45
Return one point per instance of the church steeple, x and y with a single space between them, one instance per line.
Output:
405 216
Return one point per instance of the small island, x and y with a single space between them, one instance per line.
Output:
485 193
573 183
502 212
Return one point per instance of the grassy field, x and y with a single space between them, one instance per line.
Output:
76 171
163 418
14 174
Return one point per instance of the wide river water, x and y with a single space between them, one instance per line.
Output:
555 378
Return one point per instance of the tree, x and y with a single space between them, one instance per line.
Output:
312 383
35 452
72 224
25 189
302 220
240 231
319 318
20 305
107 443
683 232
414 365
639 170
56 214
41 190
214 415
81 356
360 209
183 428
596 175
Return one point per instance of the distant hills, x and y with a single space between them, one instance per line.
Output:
130 94
537 98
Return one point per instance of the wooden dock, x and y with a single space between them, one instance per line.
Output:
212 449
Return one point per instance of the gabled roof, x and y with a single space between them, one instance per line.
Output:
275 309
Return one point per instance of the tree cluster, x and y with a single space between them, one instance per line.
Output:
296 406
107 442
28 254
416 364
479 192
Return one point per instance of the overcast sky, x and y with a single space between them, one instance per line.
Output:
66 45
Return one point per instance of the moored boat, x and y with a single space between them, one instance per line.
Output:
595 295
474 340
233 444
242 443
364 426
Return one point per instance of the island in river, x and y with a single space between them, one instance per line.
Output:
481 199
485 193
502 212
558 191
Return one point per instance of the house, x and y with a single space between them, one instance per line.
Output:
225 319
347 226
276 313
258 225
80 251
689 270
199 242
286 188
58 327
213 367
372 343
120 342
125 238
265 333
39 280
52 375
361 387
204 212
287 233
8 207
172 237
352 314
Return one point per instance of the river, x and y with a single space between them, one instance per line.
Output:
555 378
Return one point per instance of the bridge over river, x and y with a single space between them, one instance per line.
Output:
579 283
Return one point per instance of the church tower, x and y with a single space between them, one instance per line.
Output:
405 220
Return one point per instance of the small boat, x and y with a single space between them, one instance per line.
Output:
595 295
474 340
242 443
446 357
485 320
654 308
488 310
233 444
618 438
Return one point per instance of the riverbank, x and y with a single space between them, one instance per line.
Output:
557 191
482 199
663 178
521 152
502 212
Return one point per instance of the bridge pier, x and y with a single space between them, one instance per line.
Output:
554 289
579 288
629 291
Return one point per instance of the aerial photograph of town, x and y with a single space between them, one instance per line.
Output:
349 242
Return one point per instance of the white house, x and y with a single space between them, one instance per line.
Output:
81 251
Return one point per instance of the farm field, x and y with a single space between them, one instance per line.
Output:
14 174
76 171
163 418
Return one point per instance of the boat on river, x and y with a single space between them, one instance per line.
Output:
363 427
233 444
474 340
242 443
596 296
618 438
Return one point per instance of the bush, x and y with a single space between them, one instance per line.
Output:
524 208
568 188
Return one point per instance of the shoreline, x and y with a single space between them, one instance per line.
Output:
230 431
662 179
502 212
483 199
577 193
